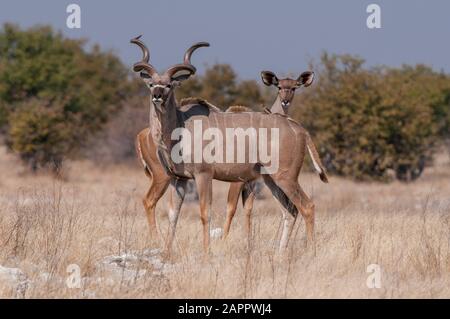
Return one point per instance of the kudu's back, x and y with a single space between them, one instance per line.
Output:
240 146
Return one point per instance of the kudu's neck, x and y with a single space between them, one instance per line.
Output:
277 107
163 120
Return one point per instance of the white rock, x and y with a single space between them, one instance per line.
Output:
13 279
120 260
216 233
152 252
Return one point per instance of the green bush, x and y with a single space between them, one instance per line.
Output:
368 122
51 83
39 134
55 95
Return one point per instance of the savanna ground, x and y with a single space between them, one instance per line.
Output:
95 219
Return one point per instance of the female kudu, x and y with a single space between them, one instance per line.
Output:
286 92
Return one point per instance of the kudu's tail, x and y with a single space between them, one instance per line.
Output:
316 159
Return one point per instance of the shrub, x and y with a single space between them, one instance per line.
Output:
39 134
116 143
51 83
367 122
220 86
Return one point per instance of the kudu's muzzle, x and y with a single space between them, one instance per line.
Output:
286 96
159 95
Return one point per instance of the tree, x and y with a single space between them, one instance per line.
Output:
220 86
54 84
190 88
368 122
39 134
249 94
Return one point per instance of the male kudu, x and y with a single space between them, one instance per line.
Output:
147 148
166 116
286 92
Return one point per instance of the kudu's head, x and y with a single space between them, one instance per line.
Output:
162 85
286 87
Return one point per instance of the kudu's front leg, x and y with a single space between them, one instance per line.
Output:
232 201
248 197
157 189
204 188
177 192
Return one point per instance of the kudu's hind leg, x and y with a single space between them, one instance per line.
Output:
248 197
288 226
232 201
157 189
289 211
204 188
177 192
303 203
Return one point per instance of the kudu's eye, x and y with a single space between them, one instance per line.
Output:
150 85
169 86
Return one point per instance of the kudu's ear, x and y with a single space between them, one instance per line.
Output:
269 78
181 75
306 78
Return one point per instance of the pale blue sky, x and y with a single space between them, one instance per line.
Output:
254 35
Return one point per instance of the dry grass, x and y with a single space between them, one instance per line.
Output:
95 220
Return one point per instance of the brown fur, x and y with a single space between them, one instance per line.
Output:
238 109
190 100
196 100
141 149
159 180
